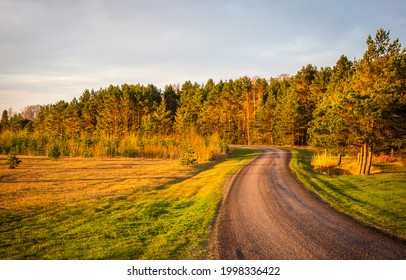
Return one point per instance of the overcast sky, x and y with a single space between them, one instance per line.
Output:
53 50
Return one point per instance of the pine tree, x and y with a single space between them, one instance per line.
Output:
373 103
286 129
13 161
190 106
328 129
161 119
301 84
4 121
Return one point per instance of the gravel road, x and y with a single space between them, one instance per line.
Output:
269 214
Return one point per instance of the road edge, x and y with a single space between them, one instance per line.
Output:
212 247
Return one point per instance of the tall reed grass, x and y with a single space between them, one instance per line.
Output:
326 163
130 145
324 160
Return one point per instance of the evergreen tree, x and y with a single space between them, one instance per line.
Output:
190 106
328 129
89 113
13 161
287 114
110 120
161 119
54 122
374 101
171 96
302 84
264 122
73 119
4 121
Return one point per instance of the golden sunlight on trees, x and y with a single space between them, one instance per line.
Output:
356 107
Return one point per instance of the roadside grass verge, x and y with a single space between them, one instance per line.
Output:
378 199
111 208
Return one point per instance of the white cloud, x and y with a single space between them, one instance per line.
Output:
52 50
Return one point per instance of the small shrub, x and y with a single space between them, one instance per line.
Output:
188 157
130 153
87 154
54 153
13 161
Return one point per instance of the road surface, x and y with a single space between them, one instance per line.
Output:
269 214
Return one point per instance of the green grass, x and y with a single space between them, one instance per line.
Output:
378 199
111 208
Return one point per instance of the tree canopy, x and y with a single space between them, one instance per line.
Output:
355 106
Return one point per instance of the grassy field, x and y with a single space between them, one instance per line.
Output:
77 208
378 199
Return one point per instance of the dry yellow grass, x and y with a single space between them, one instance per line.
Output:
321 160
39 181
110 208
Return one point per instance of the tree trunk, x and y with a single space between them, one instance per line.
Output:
248 120
360 160
339 159
365 159
369 162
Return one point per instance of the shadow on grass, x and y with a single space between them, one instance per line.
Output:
339 191
317 183
388 168
331 171
237 154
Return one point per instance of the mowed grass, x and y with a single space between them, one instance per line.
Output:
378 199
77 208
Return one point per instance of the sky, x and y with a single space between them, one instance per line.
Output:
52 50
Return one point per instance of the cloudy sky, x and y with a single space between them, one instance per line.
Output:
53 50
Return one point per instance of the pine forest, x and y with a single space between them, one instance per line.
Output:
355 107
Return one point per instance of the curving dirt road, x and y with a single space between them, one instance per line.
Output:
268 214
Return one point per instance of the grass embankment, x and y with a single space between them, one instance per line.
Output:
110 208
378 199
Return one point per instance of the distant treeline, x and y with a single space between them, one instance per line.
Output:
355 105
